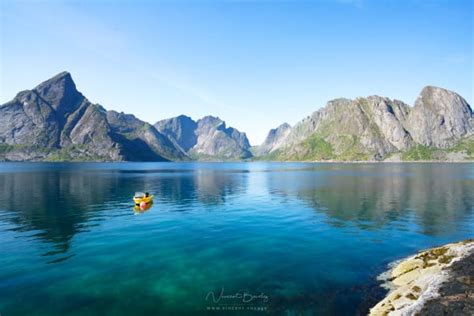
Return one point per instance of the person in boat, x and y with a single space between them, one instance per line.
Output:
147 194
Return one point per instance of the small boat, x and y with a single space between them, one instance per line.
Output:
140 197
139 209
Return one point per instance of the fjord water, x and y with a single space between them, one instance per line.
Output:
310 237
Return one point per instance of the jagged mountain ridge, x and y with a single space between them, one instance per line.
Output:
206 138
374 128
275 139
54 121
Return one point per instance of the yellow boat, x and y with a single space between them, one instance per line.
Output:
142 197
139 209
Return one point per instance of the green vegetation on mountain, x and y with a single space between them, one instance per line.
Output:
4 148
463 148
55 122
439 127
465 145
419 152
315 148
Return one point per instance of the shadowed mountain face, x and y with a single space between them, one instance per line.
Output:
180 130
439 126
275 139
208 138
54 121
61 94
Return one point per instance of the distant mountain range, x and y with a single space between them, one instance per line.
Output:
55 122
439 127
206 139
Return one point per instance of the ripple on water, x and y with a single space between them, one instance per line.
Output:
307 235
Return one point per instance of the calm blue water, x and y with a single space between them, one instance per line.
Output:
288 237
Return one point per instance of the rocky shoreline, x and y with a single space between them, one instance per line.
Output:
437 281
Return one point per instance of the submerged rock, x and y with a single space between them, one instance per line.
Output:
435 281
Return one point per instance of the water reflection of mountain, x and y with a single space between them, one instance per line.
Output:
57 204
184 187
54 202
373 195
214 186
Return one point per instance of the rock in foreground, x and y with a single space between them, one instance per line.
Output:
437 281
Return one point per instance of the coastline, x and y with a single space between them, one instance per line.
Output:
251 161
434 281
370 161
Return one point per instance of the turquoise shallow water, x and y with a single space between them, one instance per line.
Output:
289 237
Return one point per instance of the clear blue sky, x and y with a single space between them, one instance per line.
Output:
255 64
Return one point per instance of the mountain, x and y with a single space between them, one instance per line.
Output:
440 117
439 127
206 139
54 121
180 130
275 139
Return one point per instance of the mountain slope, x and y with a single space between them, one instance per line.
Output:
376 128
180 130
54 121
207 139
440 118
275 139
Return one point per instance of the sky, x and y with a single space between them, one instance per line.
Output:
254 64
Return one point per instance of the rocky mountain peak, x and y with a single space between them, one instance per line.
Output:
206 138
63 78
209 123
54 121
275 139
442 99
440 117
279 131
210 120
60 93
375 127
180 130
183 117
284 126
338 102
